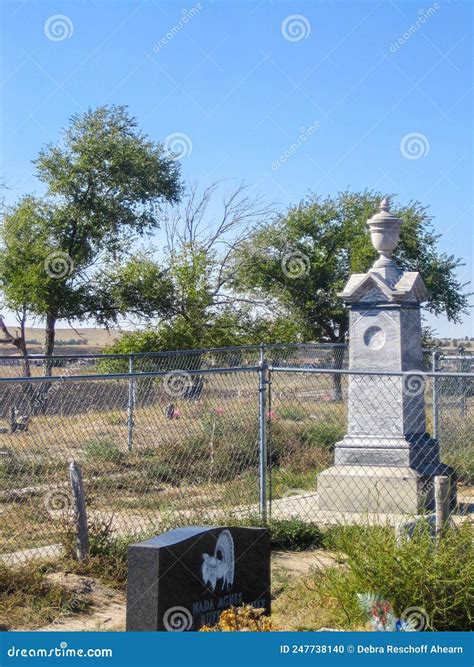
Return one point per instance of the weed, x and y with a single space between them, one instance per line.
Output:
103 450
435 577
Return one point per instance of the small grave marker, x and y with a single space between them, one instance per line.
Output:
184 579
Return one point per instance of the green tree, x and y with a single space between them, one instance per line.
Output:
225 329
201 237
106 183
300 261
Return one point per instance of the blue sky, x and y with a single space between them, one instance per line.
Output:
373 94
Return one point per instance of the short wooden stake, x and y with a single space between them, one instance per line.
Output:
441 494
82 532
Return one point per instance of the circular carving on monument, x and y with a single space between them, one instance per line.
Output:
374 338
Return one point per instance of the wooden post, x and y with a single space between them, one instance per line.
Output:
82 544
441 494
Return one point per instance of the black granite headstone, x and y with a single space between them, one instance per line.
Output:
185 578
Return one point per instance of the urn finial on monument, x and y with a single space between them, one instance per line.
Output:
384 281
384 229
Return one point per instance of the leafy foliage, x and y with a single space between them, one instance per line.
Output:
330 234
418 572
105 183
294 534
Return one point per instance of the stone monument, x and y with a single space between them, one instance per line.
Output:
387 461
184 579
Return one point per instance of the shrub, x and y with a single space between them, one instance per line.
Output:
457 446
437 578
158 472
103 450
292 413
302 447
108 552
224 449
322 434
294 534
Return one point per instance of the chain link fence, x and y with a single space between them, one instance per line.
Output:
311 355
318 355
201 437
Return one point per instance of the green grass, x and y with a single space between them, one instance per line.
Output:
17 471
292 413
294 534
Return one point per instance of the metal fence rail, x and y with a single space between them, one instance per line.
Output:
317 355
179 445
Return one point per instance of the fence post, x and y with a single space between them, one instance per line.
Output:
434 389
82 531
262 433
131 401
441 494
465 367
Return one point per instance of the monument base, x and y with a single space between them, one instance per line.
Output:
384 489
417 450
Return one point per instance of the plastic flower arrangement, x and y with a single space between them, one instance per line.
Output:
241 619
381 615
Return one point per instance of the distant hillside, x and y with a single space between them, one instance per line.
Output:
87 340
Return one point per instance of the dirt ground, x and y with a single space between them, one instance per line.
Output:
107 609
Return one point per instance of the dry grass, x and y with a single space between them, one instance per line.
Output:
30 599
205 459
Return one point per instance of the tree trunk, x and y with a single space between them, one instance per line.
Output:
24 407
23 350
338 356
18 342
49 338
338 353
28 389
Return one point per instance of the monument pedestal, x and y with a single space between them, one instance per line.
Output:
381 489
